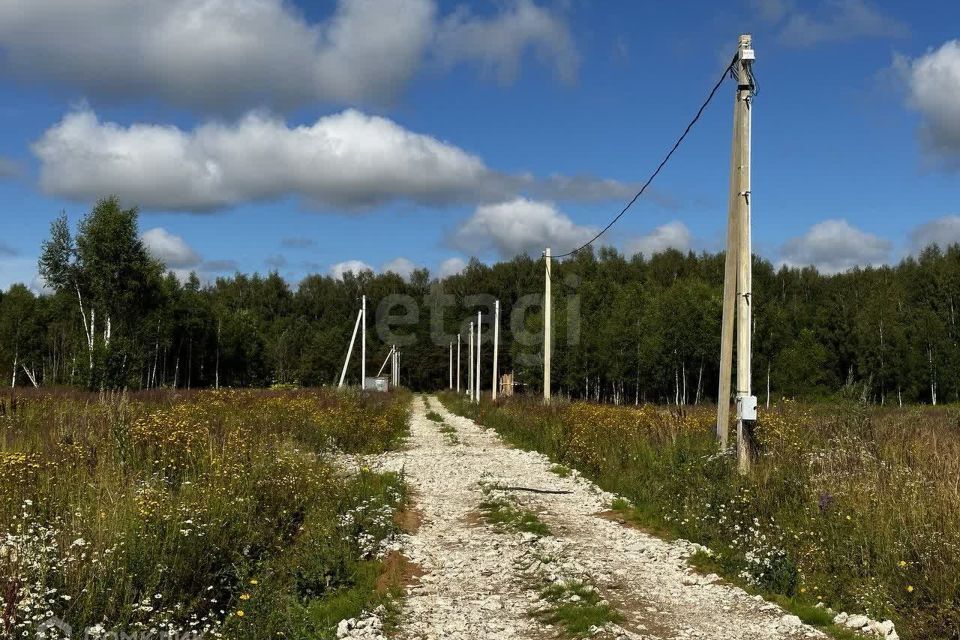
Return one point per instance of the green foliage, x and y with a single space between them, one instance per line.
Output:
433 415
626 330
503 513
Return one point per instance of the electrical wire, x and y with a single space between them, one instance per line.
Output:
716 87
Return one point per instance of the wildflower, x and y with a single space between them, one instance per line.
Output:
902 563
909 588
254 581
244 596
240 613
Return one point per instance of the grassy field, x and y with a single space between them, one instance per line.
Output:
848 505
213 511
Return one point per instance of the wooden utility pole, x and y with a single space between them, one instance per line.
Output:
496 346
738 277
458 363
547 344
476 378
363 345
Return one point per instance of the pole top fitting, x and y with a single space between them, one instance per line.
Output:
745 40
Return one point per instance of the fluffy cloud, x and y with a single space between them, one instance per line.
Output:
348 160
673 235
400 266
498 43
942 232
170 249
355 267
933 87
836 21
225 54
519 226
833 246
452 266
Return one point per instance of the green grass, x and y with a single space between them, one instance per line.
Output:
504 514
561 470
433 415
576 607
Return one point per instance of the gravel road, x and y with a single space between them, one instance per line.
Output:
482 583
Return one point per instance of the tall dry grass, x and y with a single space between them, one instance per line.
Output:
163 511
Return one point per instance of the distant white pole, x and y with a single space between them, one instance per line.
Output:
398 368
385 361
496 345
470 366
363 346
477 377
393 366
458 363
450 368
346 363
547 344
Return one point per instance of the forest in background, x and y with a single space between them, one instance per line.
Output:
648 328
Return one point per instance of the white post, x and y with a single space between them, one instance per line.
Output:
458 363
385 361
496 346
393 367
547 343
363 346
398 367
470 366
450 368
476 378
346 363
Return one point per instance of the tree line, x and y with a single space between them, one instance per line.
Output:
627 329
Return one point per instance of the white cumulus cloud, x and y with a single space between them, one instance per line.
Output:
833 246
673 235
227 54
348 160
401 266
452 266
943 232
356 267
933 89
499 42
519 226
170 249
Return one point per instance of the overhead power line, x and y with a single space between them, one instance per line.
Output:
666 159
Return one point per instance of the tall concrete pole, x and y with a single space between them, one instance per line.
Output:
470 366
458 363
363 346
547 322
476 378
450 368
496 347
729 288
746 401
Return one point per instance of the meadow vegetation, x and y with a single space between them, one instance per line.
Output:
852 506
217 511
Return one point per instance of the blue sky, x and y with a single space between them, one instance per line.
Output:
260 134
